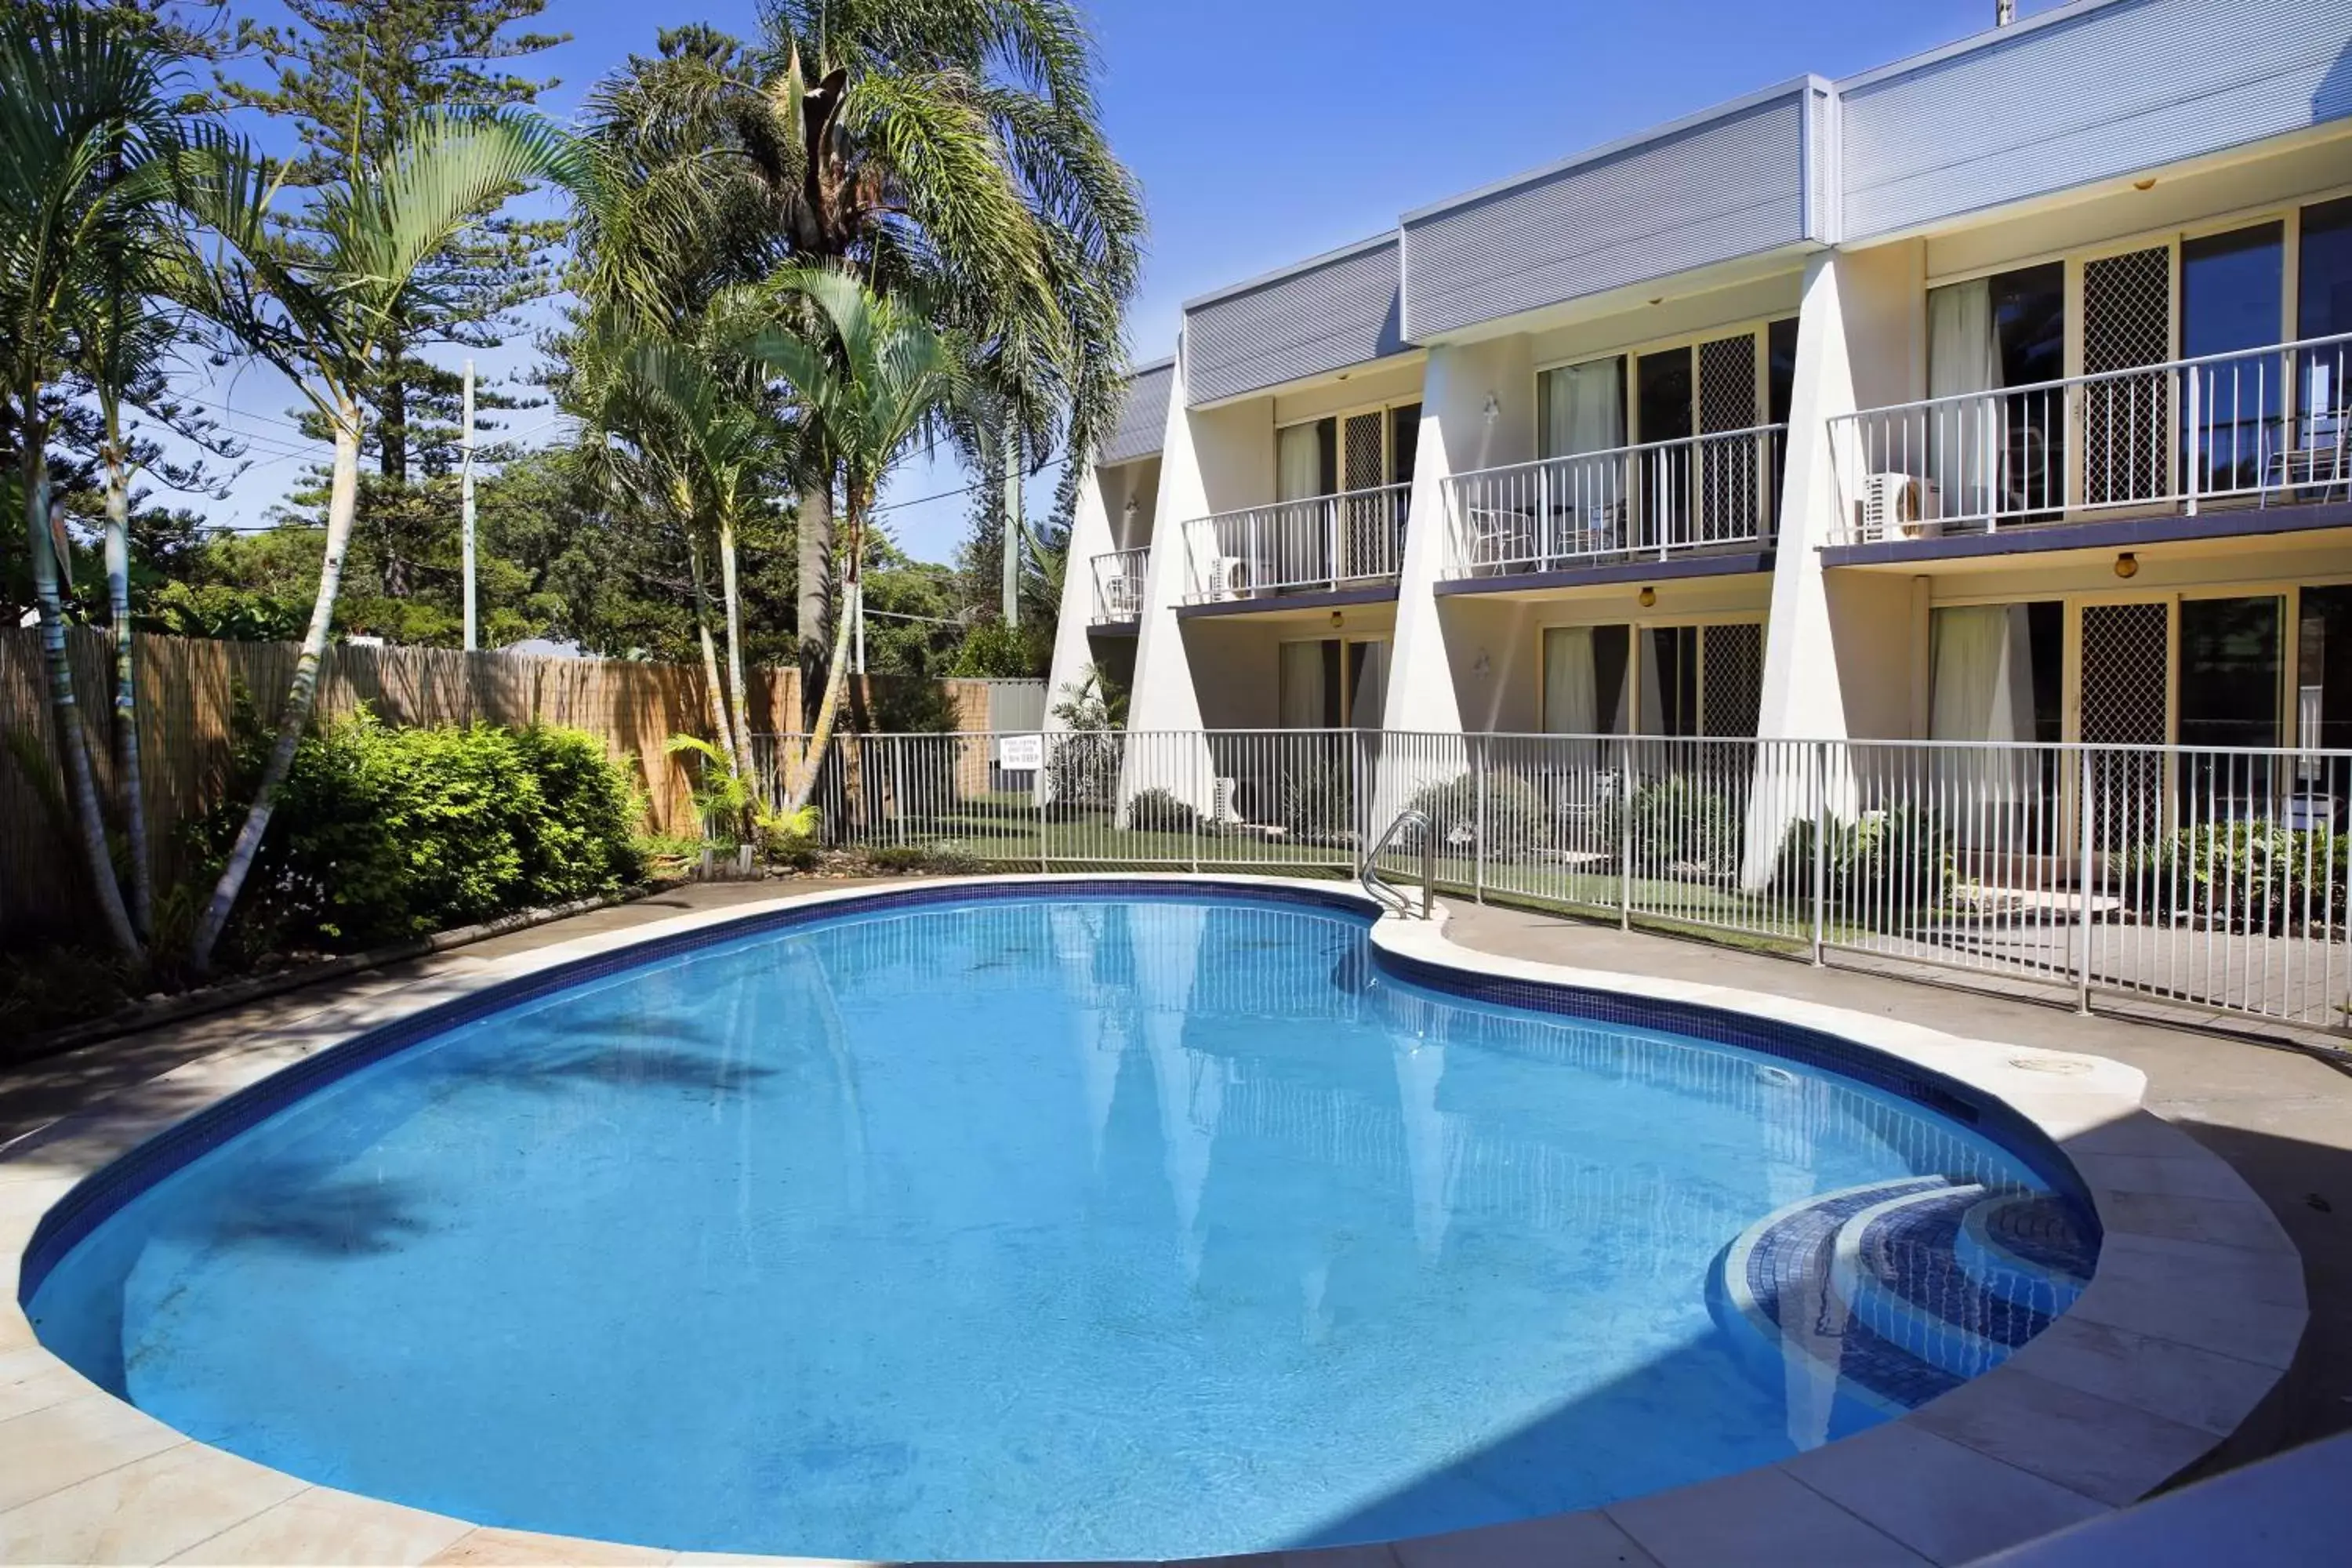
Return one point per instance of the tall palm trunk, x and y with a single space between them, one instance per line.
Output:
65 713
126 689
713 687
815 572
741 701
837 674
343 503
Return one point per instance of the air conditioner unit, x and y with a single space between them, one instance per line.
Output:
1221 805
1900 506
1228 578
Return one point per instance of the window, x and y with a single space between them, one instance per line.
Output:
2232 297
2324 270
1669 681
2230 651
1580 408
1984 336
2323 675
2323 692
1404 440
2324 309
1584 680
1998 672
1359 451
1331 683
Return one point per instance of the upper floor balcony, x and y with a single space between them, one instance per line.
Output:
2242 431
1651 502
1119 586
1322 544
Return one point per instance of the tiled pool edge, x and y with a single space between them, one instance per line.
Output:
2189 1323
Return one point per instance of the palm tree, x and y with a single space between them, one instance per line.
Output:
867 376
325 314
698 434
948 153
91 144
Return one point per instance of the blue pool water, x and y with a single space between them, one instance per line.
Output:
1033 1227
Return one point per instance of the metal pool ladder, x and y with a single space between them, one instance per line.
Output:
1369 873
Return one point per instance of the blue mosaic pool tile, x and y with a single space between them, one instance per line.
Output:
1910 1253
1796 1249
2045 1233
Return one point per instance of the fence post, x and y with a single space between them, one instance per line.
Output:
1360 810
1820 845
1210 794
1478 845
1625 834
2196 435
2083 893
1037 788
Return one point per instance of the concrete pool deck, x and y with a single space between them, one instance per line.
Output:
2192 1320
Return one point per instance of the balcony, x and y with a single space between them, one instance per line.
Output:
1353 540
1119 586
2250 430
1647 502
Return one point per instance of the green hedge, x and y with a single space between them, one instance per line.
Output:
381 833
2246 876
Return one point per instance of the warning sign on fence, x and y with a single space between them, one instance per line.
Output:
1021 753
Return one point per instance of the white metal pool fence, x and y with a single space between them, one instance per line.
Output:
2213 876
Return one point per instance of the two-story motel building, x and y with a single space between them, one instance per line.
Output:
1996 393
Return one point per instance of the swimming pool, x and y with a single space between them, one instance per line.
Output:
1057 1225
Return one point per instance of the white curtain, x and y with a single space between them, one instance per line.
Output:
1300 674
1650 715
1571 693
1963 439
1371 693
1584 408
1983 660
1572 689
1297 463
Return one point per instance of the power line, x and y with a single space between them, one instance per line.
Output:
960 489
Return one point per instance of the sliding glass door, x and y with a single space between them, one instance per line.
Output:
2232 298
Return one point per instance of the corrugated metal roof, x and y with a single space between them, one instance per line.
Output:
1320 316
1143 422
1721 187
2091 93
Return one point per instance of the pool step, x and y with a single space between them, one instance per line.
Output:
1905 1288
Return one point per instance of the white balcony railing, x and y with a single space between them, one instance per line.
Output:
1350 540
2260 427
1119 586
1648 501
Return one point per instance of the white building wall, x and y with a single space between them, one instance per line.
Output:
1458 433
1090 535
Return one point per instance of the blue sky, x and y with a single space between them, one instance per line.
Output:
1265 130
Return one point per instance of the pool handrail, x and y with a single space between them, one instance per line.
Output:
1369 874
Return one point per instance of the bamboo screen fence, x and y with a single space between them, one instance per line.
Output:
189 691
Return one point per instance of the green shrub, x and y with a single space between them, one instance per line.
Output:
1082 771
1516 815
2242 876
381 834
914 857
1681 826
1160 811
1881 868
1313 799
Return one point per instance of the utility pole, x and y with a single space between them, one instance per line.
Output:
466 504
1013 529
